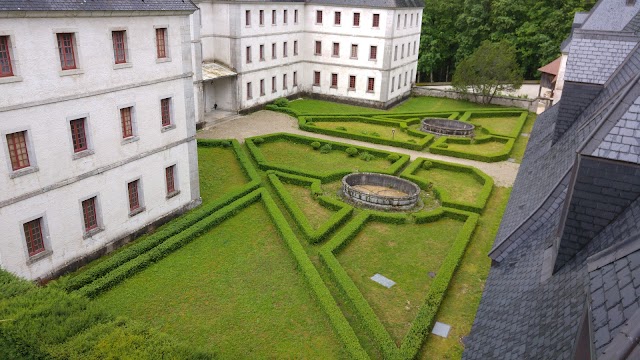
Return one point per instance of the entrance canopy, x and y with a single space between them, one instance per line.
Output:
213 71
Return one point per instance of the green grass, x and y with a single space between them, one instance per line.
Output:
235 291
461 187
487 148
520 145
220 172
384 132
502 126
315 213
305 158
404 254
465 290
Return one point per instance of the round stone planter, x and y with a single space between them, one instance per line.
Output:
447 127
379 191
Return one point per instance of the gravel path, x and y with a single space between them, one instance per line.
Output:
266 122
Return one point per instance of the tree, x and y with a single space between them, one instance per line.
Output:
491 68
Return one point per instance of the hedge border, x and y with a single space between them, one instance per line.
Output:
263 164
515 133
501 155
174 227
443 195
423 322
336 220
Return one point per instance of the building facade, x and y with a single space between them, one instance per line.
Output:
363 52
97 127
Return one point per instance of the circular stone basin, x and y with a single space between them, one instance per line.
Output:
447 127
380 191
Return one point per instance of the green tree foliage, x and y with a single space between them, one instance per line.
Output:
492 68
453 29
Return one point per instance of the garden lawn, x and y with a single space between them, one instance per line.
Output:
220 172
488 148
520 145
461 187
305 158
235 291
359 128
502 126
315 213
405 254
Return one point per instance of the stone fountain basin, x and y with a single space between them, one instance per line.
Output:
447 127
380 191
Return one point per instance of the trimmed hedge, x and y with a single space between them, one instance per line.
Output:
476 206
314 236
422 324
172 228
338 174
501 155
286 110
515 133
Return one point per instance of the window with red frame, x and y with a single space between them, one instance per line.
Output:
119 51
295 78
261 52
318 16
295 47
295 16
165 107
273 84
161 42
370 84
134 199
33 236
354 51
17 143
318 48
373 53
89 214
352 82
336 49
78 135
285 17
334 80
337 18
284 82
356 19
285 49
5 57
127 123
262 87
376 20
66 50
171 181
316 78
273 51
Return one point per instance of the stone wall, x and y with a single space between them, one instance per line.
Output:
528 104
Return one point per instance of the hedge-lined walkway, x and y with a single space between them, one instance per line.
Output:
266 122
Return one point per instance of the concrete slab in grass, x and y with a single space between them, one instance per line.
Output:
383 280
441 329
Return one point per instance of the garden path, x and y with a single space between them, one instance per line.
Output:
266 122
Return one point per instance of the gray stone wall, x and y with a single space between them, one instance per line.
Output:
528 104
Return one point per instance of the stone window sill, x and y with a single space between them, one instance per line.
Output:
71 72
37 257
82 154
92 232
10 79
163 60
173 194
130 139
22 172
168 128
137 211
122 66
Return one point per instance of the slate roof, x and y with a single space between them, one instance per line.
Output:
528 311
97 5
610 15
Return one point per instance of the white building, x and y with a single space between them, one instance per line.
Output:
97 127
362 52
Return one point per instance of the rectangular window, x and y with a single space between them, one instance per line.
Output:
285 17
249 92
395 53
370 84
336 49
414 47
161 42
273 51
119 49
261 52
411 23
318 50
127 123
399 81
402 52
318 16
393 83
262 87
67 51
295 78
354 51
17 143
285 49
169 174
247 17
398 23
334 81
248 54
295 47
295 16
33 236
373 53
316 78
273 17
356 19
411 76
405 20
284 82
376 20
134 198
352 82
89 214
165 108
337 18
261 20
78 135
273 84
6 68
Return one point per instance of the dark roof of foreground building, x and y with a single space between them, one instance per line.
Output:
566 271
97 5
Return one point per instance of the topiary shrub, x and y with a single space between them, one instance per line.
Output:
427 165
411 141
325 149
366 156
258 140
375 134
311 123
444 146
281 102
225 143
393 157
351 151
342 128
315 145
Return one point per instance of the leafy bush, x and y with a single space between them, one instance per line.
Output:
340 128
427 165
393 157
258 140
325 149
366 156
315 145
353 151
281 102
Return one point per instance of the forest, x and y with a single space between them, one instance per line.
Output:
453 29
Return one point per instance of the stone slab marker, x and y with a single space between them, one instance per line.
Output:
383 280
